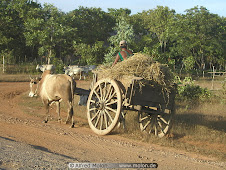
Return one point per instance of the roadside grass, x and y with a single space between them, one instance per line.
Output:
202 128
197 127
32 106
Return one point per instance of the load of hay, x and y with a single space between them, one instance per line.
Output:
140 65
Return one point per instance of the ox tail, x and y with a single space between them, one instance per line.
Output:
73 86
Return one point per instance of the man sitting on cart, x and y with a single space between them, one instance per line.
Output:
124 53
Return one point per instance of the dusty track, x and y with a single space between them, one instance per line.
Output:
79 144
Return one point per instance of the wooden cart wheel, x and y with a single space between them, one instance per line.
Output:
158 123
104 106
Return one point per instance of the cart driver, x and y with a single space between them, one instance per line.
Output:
124 53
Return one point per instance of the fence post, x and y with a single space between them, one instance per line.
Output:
213 79
203 72
3 63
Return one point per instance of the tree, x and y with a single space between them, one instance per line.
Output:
198 36
159 21
119 12
190 41
12 16
143 38
44 29
91 55
93 24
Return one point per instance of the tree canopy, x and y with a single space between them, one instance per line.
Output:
30 32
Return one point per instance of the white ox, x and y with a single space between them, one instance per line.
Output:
79 70
54 88
73 70
42 68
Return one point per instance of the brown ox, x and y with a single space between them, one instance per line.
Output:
54 88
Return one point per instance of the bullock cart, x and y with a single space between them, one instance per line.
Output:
110 98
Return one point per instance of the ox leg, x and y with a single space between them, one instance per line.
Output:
80 76
70 115
47 111
58 111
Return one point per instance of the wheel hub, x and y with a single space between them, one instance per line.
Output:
101 105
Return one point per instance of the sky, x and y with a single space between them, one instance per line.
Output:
137 6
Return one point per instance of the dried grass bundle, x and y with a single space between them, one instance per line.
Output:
139 65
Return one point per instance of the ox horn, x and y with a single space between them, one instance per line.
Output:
30 77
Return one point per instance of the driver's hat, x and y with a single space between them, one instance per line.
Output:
122 43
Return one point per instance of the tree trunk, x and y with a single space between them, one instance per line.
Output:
49 57
3 63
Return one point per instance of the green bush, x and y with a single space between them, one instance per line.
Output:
188 91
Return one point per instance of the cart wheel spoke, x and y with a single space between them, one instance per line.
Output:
109 115
161 127
109 98
105 120
105 91
163 120
144 128
109 91
101 121
98 112
113 110
92 109
97 121
92 101
101 92
99 98
156 130
111 103
144 118
151 125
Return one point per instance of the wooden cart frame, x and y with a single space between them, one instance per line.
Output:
109 98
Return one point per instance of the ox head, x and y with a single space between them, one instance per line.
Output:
34 82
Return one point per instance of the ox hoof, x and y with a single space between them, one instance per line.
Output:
44 121
60 120
72 126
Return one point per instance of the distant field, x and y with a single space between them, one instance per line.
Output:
209 84
14 77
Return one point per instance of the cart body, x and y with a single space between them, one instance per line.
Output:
153 104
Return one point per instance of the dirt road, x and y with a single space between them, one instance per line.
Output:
27 143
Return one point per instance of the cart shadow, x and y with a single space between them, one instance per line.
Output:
192 120
175 136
